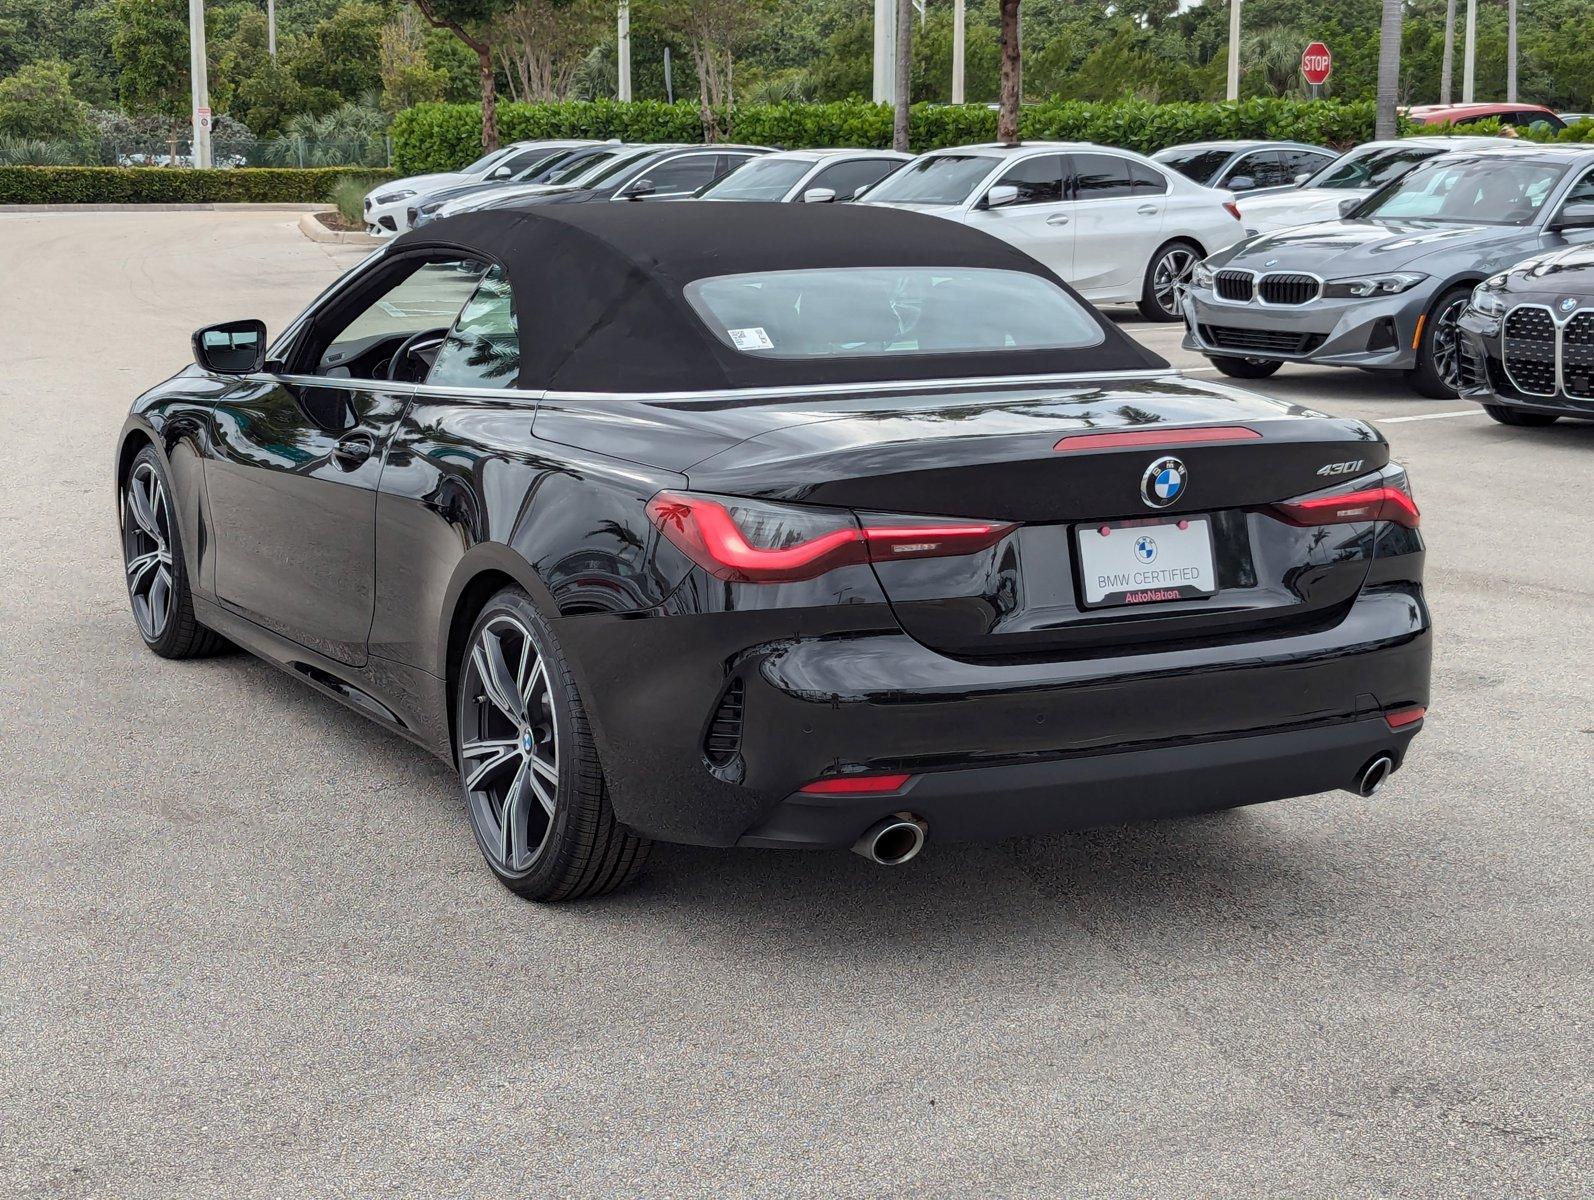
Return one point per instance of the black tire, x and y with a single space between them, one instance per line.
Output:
1516 416
582 850
154 566
1180 257
1437 373
1244 368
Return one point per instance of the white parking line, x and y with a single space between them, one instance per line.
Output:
1460 412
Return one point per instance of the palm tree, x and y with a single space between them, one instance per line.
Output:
1450 52
1012 74
1511 52
1388 69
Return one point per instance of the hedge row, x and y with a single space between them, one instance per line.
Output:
174 185
442 137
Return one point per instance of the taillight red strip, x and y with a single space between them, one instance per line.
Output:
1371 504
706 532
1401 717
855 785
1158 437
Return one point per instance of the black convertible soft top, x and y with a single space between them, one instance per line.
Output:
598 290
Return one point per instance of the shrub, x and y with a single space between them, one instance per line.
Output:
349 194
173 185
441 137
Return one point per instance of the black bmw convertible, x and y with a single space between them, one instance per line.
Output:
778 526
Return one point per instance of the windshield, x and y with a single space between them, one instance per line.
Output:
761 179
539 171
486 160
1370 168
589 168
1199 165
938 179
848 312
611 166
1473 191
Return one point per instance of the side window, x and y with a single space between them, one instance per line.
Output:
1582 191
1304 162
423 298
1039 180
847 178
684 174
1146 180
515 163
1269 171
483 347
729 162
1100 176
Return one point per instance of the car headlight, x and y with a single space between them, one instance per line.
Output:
1372 285
1201 275
1486 297
395 197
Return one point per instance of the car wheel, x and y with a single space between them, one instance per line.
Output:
1170 266
1515 416
1438 370
1244 368
528 765
152 554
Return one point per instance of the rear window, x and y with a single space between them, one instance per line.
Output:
1199 165
1370 168
849 312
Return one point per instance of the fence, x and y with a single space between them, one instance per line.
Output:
178 152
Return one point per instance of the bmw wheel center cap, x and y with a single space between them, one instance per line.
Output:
1164 482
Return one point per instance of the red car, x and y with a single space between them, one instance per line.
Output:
1506 114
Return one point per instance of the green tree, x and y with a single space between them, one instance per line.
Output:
472 22
37 102
151 49
341 60
408 76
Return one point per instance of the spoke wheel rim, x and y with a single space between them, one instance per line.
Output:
147 550
1173 268
509 744
1447 345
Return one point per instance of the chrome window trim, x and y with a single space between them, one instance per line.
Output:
1555 368
960 382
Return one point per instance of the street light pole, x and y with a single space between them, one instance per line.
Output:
199 85
885 51
623 50
1511 52
271 27
959 34
1234 49
1470 53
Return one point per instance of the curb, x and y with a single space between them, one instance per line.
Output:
210 207
317 232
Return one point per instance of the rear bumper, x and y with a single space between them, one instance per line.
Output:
983 803
817 698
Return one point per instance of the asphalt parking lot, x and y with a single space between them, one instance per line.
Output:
248 947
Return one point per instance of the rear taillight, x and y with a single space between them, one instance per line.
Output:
1383 497
750 541
1233 209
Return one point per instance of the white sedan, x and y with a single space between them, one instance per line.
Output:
810 176
1114 224
386 203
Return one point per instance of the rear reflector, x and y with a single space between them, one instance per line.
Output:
1158 437
855 785
1369 504
1401 717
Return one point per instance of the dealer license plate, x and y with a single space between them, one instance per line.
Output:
1141 563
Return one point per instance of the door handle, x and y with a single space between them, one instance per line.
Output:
1148 210
1057 219
353 451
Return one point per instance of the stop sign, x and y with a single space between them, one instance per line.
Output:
1317 64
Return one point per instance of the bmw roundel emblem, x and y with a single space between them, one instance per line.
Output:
1568 303
1146 549
1163 483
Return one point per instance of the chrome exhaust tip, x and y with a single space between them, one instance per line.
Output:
893 841
1374 775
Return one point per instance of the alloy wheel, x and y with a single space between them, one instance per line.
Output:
1447 344
509 743
1172 269
147 550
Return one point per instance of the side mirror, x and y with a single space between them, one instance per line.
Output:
639 188
1241 183
231 348
1002 193
819 195
498 173
1349 205
1302 178
1574 216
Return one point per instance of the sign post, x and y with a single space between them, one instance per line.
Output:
1317 64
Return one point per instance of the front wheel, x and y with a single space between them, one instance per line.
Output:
528 764
1244 368
1437 374
1170 266
152 557
1515 416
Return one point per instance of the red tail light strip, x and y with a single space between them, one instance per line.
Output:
1401 717
1371 504
855 785
1204 434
